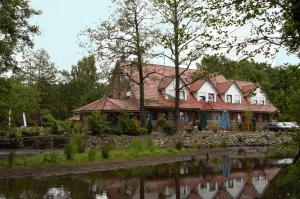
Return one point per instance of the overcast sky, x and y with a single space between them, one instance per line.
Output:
62 20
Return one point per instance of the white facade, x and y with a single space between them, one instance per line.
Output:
206 92
234 187
170 91
234 93
258 97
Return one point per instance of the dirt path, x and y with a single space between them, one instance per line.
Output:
51 170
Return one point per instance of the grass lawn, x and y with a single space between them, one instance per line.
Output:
137 149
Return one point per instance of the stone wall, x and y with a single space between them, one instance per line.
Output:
193 139
199 139
34 142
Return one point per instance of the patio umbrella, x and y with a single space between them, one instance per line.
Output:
225 122
203 119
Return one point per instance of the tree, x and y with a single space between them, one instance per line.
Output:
272 24
183 37
15 31
128 35
39 72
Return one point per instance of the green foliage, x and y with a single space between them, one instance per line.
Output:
215 128
11 159
105 151
78 143
162 122
51 157
169 129
16 30
68 150
124 121
92 154
60 127
98 123
178 144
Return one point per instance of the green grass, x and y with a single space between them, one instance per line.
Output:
137 149
283 150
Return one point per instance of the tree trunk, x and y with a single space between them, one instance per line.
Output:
176 62
140 69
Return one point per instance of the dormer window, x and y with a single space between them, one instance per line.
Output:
211 97
262 101
202 96
182 95
229 98
237 99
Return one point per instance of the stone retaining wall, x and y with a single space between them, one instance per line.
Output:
193 139
34 142
199 139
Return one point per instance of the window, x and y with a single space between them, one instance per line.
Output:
211 97
254 101
202 96
262 101
182 95
183 116
237 99
229 98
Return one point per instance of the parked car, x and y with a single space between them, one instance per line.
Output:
277 126
291 125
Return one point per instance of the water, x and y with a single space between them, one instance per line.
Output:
217 178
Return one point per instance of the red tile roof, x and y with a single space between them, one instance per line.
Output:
160 77
108 104
197 85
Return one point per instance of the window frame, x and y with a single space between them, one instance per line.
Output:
227 98
211 94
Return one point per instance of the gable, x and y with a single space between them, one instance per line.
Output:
234 90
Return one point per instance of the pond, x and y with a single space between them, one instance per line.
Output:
201 179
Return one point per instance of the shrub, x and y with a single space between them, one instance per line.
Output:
215 128
78 143
68 150
124 121
98 123
51 157
92 154
142 131
137 145
169 129
178 144
162 123
11 159
105 151
116 131
134 127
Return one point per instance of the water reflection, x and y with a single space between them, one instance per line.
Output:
219 178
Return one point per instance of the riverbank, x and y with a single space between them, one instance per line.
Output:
115 163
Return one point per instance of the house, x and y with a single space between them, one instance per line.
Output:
212 96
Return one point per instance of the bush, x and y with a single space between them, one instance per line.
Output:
51 157
137 145
178 144
11 159
68 150
59 126
142 131
116 131
78 143
124 122
92 154
169 129
105 151
215 128
98 123
162 123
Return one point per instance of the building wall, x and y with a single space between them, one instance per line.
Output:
235 92
257 96
170 90
206 88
